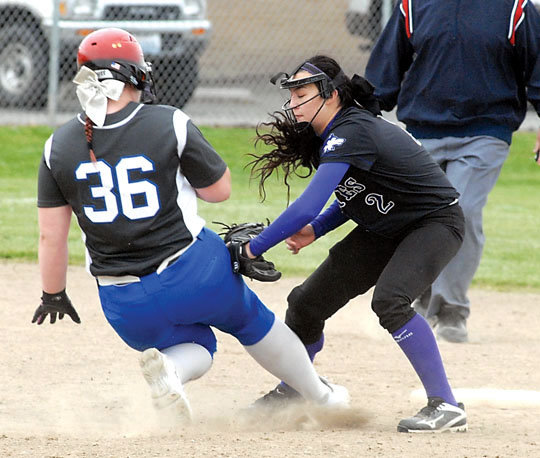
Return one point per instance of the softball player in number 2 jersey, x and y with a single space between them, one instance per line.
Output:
408 222
132 174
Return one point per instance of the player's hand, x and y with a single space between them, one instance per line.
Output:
53 305
536 149
301 239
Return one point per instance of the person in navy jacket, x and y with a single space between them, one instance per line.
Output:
461 74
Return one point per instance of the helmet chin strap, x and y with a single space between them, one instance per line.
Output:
301 126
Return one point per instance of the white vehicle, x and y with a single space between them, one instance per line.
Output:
363 18
172 33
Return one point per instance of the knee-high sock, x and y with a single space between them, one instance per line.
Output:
312 350
191 360
315 348
282 354
417 341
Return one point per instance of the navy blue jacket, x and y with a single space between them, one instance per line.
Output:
459 68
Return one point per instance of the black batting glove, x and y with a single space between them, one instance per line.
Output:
53 304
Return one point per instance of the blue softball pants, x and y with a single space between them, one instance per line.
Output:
181 304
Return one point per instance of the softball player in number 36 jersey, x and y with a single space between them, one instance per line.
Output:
132 174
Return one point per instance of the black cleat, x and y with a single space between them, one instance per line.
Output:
452 328
281 396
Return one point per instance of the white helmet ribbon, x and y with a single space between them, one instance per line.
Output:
93 94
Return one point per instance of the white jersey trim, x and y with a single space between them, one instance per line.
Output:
187 202
87 257
180 120
187 197
47 151
117 124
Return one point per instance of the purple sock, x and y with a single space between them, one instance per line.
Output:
315 348
417 341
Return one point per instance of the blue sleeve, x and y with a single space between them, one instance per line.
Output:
528 50
390 58
328 220
303 210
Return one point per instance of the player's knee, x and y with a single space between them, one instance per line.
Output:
296 314
392 310
302 317
294 299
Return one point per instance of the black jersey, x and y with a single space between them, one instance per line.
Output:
137 204
392 180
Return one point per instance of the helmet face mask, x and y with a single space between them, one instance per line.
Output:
116 54
324 83
326 86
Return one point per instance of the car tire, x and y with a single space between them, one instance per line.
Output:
176 80
23 66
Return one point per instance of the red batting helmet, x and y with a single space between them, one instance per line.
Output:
116 54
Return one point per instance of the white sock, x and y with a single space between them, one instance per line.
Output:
191 360
282 354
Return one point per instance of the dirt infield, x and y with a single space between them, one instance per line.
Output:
76 391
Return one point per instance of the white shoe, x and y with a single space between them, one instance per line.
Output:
166 388
338 398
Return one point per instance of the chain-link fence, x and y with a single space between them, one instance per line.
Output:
214 59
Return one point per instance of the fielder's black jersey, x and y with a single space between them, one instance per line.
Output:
137 204
392 182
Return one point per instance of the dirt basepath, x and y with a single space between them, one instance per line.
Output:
76 391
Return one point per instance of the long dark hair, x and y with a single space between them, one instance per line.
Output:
294 148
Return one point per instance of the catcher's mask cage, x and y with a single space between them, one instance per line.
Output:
325 84
116 54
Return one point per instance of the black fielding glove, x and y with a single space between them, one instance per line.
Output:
53 304
258 268
236 237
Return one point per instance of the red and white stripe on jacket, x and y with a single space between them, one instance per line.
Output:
406 10
516 18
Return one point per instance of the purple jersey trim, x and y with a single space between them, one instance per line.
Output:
328 220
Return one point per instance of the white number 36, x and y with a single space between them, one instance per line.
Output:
126 189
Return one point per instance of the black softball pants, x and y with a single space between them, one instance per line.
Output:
400 269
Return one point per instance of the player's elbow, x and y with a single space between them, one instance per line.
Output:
307 217
303 214
219 191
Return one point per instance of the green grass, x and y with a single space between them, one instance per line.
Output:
20 152
511 257
512 217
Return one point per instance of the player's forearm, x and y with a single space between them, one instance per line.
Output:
53 247
53 262
302 210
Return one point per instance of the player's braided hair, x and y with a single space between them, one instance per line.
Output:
89 133
295 148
